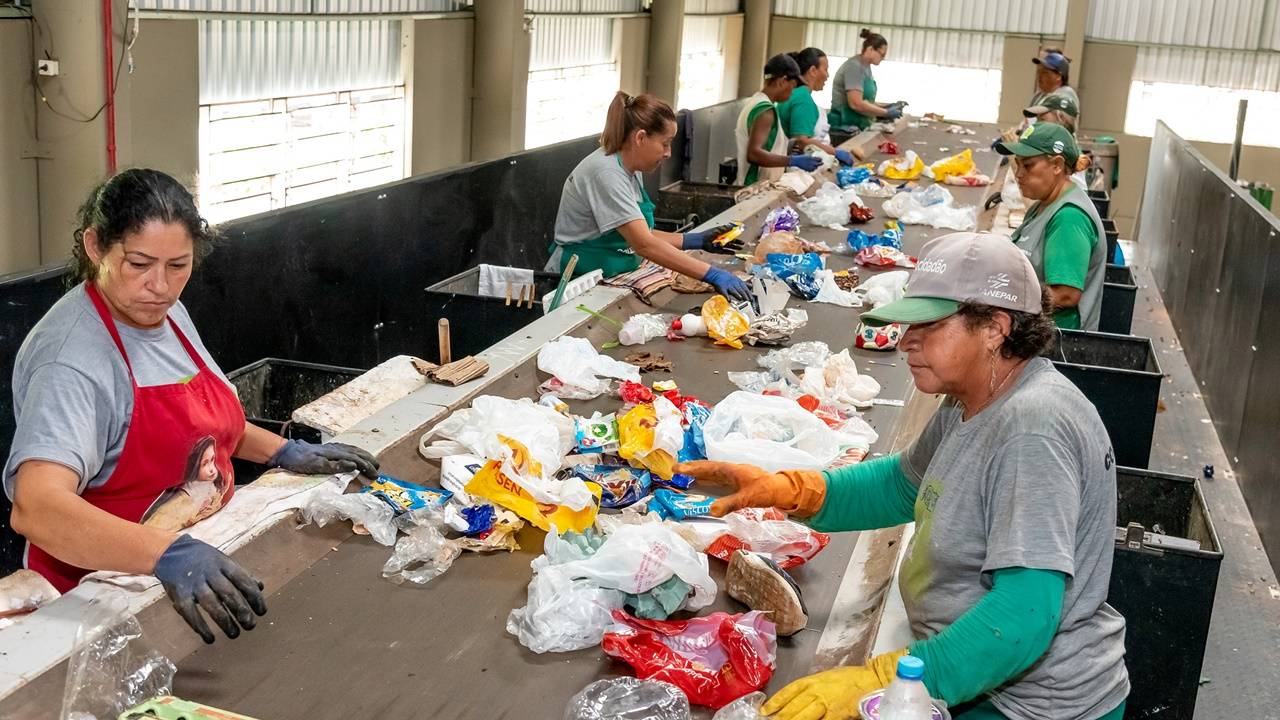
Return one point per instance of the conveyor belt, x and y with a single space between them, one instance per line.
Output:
340 642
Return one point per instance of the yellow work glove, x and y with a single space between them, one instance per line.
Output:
833 694
795 492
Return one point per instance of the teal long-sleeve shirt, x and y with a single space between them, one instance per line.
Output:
1009 628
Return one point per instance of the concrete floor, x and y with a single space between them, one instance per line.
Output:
1241 675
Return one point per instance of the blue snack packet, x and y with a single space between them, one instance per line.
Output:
678 481
782 263
805 287
675 505
620 485
694 416
480 519
404 496
858 240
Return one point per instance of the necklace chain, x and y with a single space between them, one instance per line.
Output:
996 391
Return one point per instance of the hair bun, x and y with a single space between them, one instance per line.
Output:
864 33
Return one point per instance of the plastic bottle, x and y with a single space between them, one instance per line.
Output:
906 698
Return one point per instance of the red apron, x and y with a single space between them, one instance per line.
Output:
175 467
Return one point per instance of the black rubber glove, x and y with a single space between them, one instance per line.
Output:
197 576
705 240
307 458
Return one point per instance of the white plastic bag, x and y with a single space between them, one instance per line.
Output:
640 329
772 432
800 355
628 698
576 363
746 707
883 288
330 504
829 291
637 558
423 554
562 613
546 434
829 206
932 206
837 383
111 668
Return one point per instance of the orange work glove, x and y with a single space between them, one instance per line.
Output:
833 694
795 492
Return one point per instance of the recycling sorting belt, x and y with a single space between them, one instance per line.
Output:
340 642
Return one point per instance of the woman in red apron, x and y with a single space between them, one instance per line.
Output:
125 429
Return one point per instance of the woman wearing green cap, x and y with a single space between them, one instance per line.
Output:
762 144
853 93
606 216
802 120
1012 488
1061 233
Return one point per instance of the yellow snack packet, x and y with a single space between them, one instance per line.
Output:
637 434
494 483
959 164
725 325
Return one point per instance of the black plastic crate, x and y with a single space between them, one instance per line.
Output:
1102 201
1121 376
697 200
271 389
476 322
1119 293
1113 238
1164 590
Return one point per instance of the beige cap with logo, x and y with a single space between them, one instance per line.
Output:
963 267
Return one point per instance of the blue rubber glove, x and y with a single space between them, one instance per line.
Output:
727 284
307 458
893 112
808 163
844 156
702 240
197 576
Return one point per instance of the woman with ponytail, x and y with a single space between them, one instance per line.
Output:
606 217
853 93
802 120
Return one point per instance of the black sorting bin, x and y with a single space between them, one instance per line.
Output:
271 389
1164 591
476 321
1121 376
1113 238
694 200
1102 201
1119 293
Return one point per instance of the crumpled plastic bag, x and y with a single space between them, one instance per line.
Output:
714 659
640 329
725 324
800 355
907 167
852 175
494 484
783 218
838 383
933 206
637 558
975 179
767 531
628 698
487 430
780 241
829 291
956 165
828 160
883 256
423 554
746 707
883 288
829 206
772 432
873 188
562 613
651 436
776 328
112 668
369 515
575 362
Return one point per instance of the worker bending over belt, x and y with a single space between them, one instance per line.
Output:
853 93
762 143
606 216
1062 233
1012 486
803 122
126 426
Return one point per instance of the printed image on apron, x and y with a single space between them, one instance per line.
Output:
201 494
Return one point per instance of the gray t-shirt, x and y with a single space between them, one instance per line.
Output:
848 77
71 392
1028 482
598 196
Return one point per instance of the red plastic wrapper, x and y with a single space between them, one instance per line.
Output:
768 531
889 147
883 256
714 659
634 393
860 213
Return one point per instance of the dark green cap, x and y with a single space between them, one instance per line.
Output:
1043 138
1053 101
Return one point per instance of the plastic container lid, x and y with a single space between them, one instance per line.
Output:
910 667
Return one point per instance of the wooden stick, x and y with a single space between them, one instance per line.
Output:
508 293
446 348
564 280
533 291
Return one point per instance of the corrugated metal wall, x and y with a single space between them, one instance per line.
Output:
936 47
563 42
259 59
305 6
581 6
711 7
1037 17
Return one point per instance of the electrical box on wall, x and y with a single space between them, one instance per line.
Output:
47 67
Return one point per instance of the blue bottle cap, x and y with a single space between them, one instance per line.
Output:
910 667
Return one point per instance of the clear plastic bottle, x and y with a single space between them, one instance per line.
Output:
906 698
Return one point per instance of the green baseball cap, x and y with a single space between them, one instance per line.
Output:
1053 101
1043 138
963 267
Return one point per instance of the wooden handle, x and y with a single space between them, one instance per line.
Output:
446 348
